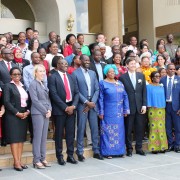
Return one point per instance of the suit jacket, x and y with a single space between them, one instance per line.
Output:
175 91
93 68
110 60
4 73
25 63
83 88
40 102
137 97
12 99
58 93
46 44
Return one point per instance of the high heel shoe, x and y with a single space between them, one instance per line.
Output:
18 169
35 165
46 164
24 166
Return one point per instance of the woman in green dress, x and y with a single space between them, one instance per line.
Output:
156 114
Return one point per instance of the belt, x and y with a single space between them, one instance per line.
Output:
168 102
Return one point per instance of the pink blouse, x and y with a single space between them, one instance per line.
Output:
23 94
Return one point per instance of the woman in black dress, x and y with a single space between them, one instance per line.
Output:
15 102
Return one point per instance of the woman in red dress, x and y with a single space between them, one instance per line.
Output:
117 62
76 63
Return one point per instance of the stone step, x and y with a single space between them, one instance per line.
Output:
50 145
27 157
6 159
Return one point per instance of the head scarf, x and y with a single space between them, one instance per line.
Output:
110 66
17 60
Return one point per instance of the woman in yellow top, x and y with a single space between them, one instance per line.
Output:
146 68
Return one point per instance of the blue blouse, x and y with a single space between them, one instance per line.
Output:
155 96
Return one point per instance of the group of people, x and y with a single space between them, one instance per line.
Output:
118 90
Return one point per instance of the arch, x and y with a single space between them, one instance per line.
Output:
46 12
20 9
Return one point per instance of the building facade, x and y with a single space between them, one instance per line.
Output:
149 19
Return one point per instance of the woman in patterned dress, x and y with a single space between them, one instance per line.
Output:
113 106
156 115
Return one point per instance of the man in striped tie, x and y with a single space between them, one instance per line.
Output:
171 84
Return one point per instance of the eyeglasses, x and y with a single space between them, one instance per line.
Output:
157 76
172 69
18 74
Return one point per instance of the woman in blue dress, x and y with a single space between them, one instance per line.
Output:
113 106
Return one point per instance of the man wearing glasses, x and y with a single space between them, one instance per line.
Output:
171 84
5 65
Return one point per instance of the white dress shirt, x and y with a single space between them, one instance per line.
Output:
134 76
88 80
99 70
172 81
6 62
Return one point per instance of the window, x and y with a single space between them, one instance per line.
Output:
82 16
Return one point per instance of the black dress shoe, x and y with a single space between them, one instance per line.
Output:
171 148
140 152
154 152
129 153
71 160
24 167
177 150
61 161
98 156
3 143
81 158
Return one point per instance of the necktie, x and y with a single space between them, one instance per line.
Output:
133 80
68 96
169 89
8 66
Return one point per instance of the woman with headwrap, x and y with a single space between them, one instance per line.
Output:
113 106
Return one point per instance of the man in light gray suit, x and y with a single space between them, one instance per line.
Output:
87 107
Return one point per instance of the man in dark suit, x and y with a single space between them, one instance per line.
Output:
97 66
87 106
5 65
115 49
135 86
64 97
171 85
52 38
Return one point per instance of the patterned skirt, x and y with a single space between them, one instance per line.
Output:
157 135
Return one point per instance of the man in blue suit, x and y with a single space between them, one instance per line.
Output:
87 107
171 85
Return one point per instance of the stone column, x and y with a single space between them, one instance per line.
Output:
112 18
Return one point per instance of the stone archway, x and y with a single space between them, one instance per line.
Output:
20 9
46 12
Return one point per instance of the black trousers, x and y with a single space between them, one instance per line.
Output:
68 123
137 121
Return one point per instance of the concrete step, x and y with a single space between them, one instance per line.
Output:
50 145
6 159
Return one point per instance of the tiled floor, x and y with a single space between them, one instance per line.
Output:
151 167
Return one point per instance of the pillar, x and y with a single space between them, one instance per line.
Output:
112 13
